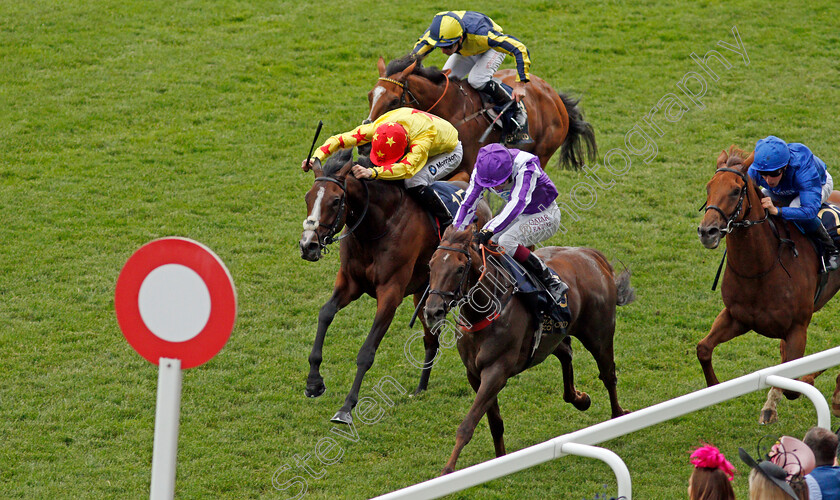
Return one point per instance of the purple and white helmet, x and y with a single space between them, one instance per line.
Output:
493 165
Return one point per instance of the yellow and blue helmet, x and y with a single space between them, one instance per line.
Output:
446 29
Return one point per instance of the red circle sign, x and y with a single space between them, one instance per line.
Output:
175 299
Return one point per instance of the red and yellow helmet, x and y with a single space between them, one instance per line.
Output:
389 144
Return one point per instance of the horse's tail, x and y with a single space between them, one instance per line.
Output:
625 293
580 133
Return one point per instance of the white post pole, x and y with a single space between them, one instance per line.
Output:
167 419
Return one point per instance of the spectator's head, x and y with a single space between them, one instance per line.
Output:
823 443
710 479
781 476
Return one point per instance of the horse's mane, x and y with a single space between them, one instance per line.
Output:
736 156
334 163
431 73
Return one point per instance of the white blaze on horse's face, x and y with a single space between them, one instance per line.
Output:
312 220
377 93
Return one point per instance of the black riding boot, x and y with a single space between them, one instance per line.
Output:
519 136
830 253
430 200
555 286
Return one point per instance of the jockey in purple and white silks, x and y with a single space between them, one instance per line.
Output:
529 217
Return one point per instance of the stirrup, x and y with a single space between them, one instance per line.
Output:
830 262
518 138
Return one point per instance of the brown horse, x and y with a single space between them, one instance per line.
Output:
555 120
492 354
384 252
770 281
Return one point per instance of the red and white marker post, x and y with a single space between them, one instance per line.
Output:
176 305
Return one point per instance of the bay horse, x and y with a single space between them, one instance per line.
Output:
770 281
496 352
555 120
384 253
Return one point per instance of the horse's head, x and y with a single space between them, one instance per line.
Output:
326 205
392 89
728 197
449 270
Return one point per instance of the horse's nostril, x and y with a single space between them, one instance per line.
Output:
312 246
712 231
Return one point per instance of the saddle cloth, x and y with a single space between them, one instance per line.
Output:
830 216
451 195
553 318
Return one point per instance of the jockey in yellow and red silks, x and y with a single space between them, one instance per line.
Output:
467 37
406 144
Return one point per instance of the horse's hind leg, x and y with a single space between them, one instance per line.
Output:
599 342
431 344
344 292
835 398
579 399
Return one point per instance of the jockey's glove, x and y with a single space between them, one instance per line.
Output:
483 237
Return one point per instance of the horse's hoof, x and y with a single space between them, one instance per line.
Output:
582 402
342 417
791 395
447 470
768 417
620 413
315 390
417 392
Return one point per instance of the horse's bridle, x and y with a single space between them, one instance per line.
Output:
453 296
338 222
405 90
731 220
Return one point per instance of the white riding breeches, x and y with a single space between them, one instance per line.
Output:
436 168
529 229
480 67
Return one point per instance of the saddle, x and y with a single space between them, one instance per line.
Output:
549 318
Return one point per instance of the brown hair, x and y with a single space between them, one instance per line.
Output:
823 443
710 484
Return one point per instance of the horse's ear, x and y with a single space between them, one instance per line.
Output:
721 161
749 159
317 169
407 71
380 64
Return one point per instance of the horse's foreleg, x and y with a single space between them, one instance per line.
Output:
497 427
387 300
768 413
493 379
579 399
793 347
344 292
431 343
723 329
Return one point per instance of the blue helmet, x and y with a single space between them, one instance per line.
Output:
771 153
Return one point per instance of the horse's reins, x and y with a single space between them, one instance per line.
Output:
458 293
335 227
732 224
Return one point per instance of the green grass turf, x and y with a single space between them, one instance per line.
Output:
127 121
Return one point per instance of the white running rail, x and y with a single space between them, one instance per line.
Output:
581 442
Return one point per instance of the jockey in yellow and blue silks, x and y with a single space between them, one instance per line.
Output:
467 37
795 184
406 144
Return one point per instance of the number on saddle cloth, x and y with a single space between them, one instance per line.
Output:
554 317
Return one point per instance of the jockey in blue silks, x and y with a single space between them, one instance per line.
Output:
796 183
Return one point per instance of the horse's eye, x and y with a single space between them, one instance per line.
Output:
735 192
335 202
460 270
394 103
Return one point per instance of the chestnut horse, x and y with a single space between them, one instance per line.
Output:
497 352
384 252
555 120
770 282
